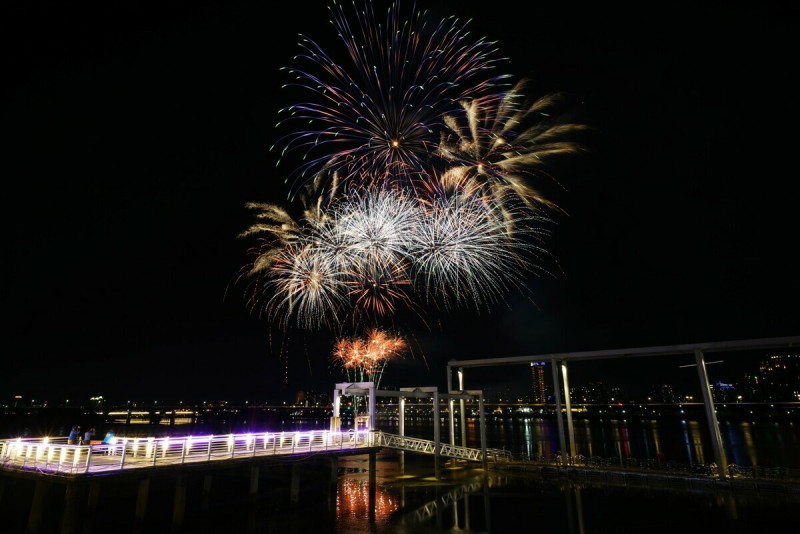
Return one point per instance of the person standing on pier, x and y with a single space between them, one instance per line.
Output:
87 436
74 435
109 441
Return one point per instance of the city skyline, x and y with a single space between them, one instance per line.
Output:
134 146
766 377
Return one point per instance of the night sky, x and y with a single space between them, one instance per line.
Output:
133 133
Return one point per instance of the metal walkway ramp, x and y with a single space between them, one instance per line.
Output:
424 446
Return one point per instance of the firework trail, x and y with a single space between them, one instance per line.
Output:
378 112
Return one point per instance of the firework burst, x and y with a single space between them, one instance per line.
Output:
376 253
464 253
420 179
502 145
304 283
366 358
378 112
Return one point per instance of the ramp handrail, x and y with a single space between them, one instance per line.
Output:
407 443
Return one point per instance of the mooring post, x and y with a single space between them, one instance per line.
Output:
294 486
562 442
253 492
37 509
373 470
466 512
487 509
373 485
91 506
141 503
206 494
483 429
439 522
570 498
436 435
463 409
333 484
179 504
69 515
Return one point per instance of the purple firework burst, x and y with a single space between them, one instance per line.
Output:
378 112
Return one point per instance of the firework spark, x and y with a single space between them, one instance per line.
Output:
378 112
376 253
305 284
366 358
503 144
464 254
419 182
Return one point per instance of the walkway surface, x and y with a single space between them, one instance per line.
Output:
55 457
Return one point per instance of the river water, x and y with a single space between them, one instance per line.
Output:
410 500
746 443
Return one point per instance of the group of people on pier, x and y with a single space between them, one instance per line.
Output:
75 437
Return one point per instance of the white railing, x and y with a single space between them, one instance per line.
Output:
425 446
53 456
129 453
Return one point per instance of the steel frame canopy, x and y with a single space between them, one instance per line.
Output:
559 363
427 392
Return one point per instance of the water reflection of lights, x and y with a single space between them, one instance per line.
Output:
656 438
749 442
352 501
697 441
527 437
588 440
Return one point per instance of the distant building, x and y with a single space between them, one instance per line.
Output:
312 398
722 392
591 393
662 393
539 385
617 394
749 387
779 378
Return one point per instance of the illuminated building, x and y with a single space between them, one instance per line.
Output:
722 392
662 393
539 386
592 393
779 377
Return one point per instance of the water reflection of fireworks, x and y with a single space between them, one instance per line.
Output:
352 502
